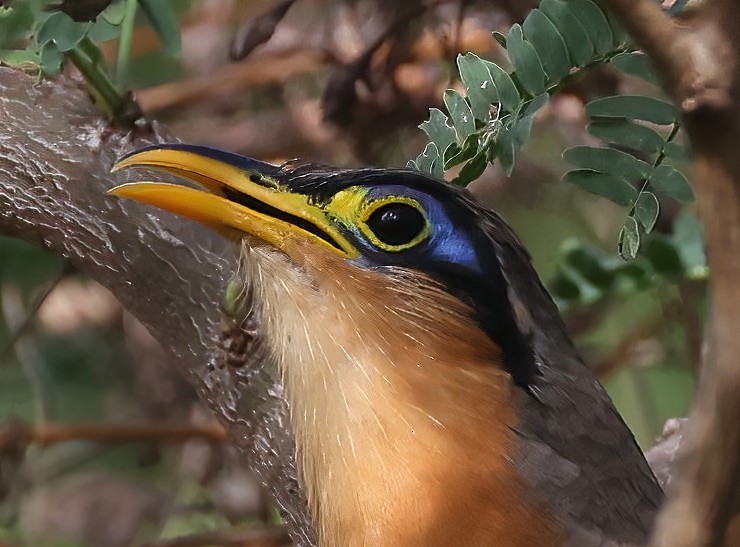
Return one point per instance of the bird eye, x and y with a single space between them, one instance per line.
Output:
397 224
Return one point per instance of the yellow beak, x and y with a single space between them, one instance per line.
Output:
242 196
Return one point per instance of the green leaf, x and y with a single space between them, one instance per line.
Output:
500 38
517 134
520 131
482 91
671 182
530 108
629 239
637 272
102 31
587 292
461 114
438 129
512 141
233 299
20 58
636 107
620 34
580 46
472 169
595 22
15 25
677 151
93 52
636 64
507 91
51 59
505 151
563 287
663 256
548 43
608 160
430 162
526 62
462 153
62 30
452 151
606 185
647 210
164 20
586 260
114 13
627 134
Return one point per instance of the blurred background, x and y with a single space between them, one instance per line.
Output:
344 82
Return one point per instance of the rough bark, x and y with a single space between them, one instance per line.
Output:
700 68
55 154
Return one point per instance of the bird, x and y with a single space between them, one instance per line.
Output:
435 396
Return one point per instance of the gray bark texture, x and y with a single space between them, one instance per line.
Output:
56 151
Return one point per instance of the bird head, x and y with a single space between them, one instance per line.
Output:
372 219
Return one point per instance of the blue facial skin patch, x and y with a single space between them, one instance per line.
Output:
445 244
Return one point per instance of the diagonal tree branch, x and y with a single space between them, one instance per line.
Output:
700 68
55 153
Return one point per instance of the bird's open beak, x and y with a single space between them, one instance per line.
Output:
241 196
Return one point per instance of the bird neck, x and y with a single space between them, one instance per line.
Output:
398 462
401 411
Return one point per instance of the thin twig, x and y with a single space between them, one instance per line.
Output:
50 432
28 355
118 105
21 329
256 70
19 432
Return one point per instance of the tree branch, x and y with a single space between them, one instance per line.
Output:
19 433
686 62
272 536
700 69
55 154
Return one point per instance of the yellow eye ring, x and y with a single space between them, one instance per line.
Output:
406 223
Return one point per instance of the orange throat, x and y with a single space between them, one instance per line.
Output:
401 411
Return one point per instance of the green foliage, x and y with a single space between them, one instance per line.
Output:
554 44
34 37
586 274
630 171
494 119
38 35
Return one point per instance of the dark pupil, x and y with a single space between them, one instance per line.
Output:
396 223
